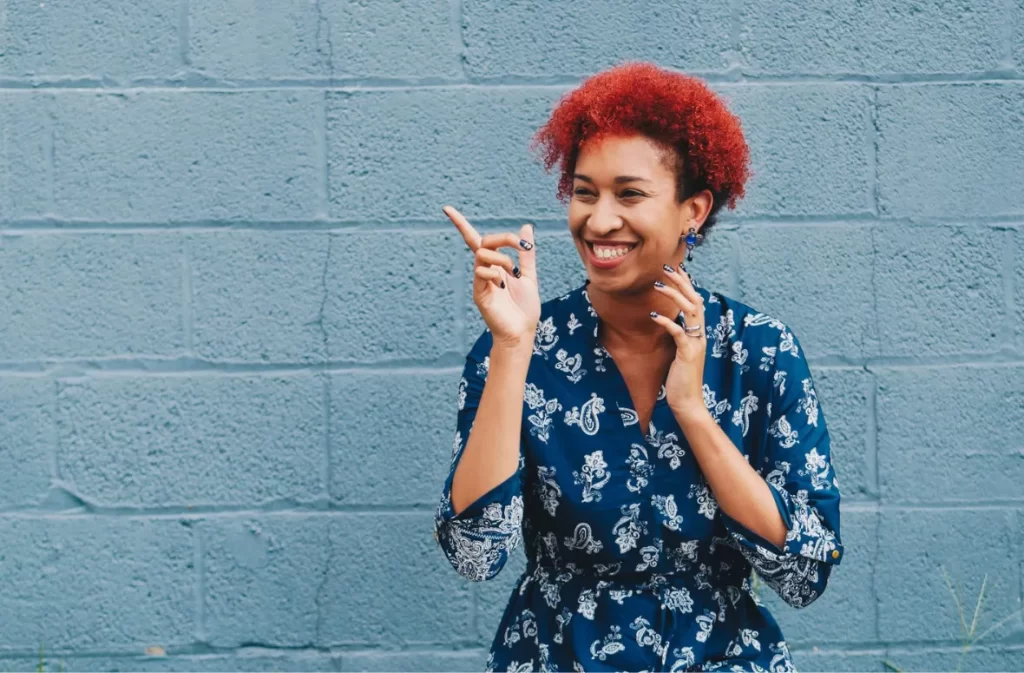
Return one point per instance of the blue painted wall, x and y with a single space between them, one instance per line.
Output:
233 316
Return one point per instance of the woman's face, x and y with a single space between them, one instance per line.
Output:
623 213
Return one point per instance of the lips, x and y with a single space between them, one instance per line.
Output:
609 262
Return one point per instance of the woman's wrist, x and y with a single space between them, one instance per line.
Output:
511 353
516 348
692 414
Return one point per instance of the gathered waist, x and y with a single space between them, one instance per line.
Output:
659 583
673 620
677 614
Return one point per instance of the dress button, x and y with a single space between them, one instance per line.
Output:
835 553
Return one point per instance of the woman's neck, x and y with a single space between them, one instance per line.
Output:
626 323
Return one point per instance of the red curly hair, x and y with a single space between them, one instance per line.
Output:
677 110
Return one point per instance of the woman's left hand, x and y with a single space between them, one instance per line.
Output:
684 387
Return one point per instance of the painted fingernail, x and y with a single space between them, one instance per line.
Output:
654 314
516 272
658 283
668 268
502 285
525 245
682 265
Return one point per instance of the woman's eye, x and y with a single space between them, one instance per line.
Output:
626 194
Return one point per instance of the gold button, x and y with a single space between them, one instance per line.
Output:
835 553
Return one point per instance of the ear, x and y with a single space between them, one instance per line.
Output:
695 210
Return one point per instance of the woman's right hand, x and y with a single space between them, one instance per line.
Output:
510 306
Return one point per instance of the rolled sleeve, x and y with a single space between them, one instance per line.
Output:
478 540
797 467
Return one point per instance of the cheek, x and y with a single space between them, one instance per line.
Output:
659 228
576 217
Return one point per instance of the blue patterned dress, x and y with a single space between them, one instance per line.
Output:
631 565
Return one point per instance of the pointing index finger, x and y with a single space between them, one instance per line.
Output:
503 240
469 234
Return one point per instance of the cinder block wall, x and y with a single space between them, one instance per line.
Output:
233 316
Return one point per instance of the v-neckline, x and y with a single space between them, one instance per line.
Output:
624 399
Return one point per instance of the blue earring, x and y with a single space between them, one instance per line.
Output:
692 239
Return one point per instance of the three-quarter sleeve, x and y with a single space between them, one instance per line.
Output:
797 465
478 540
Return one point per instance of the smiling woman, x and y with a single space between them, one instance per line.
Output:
653 442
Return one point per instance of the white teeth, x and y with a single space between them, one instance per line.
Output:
610 253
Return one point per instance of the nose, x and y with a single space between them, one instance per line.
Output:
603 219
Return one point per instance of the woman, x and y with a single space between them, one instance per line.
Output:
669 439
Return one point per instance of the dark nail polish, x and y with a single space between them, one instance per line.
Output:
502 285
516 272
658 283
525 245
682 265
668 268
654 314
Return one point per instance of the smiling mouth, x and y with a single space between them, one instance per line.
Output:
610 252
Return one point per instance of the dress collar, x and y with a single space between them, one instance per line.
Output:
589 320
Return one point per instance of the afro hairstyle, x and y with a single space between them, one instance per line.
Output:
677 111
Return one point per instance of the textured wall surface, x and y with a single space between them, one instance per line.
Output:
233 316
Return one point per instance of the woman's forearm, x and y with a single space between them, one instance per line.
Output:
740 491
492 449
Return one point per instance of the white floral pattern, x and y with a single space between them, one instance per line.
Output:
631 563
593 476
640 468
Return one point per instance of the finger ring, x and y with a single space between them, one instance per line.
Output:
693 330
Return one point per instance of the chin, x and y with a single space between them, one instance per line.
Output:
619 283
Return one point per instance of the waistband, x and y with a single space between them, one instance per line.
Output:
642 581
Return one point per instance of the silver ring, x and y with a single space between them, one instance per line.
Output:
694 331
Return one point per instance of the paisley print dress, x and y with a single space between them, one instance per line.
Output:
631 565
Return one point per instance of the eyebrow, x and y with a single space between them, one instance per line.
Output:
618 180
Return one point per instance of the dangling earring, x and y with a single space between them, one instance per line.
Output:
692 239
